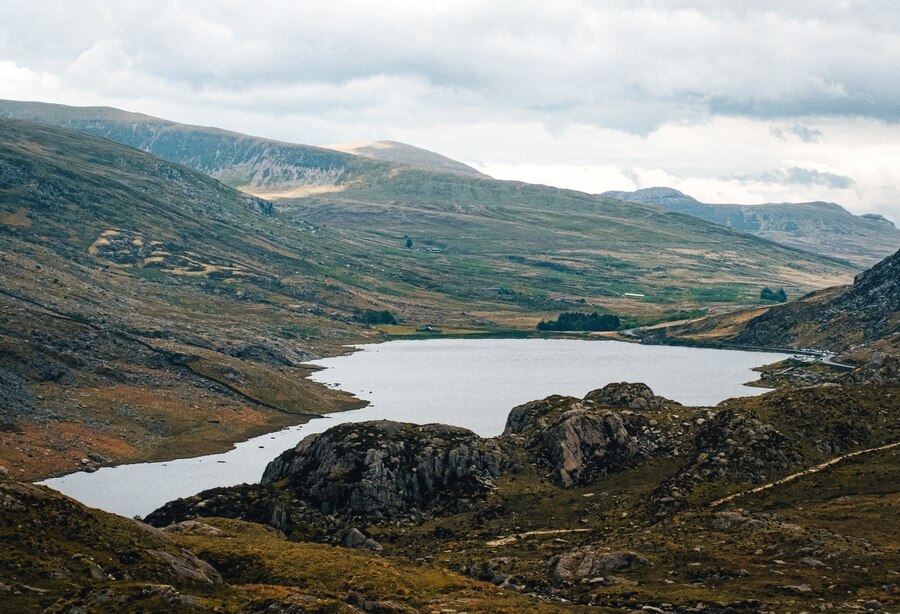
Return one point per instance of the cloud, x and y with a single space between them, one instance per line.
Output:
694 89
804 133
802 176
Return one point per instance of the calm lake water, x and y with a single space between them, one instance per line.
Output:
470 383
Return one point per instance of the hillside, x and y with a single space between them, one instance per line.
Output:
249 163
622 500
148 311
822 228
861 317
530 244
505 246
409 155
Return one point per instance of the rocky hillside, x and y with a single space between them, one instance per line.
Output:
409 155
148 309
622 499
61 557
823 228
861 318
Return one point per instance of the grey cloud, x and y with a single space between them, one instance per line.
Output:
619 64
802 176
804 133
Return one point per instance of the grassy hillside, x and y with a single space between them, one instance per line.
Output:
149 311
507 246
401 153
238 160
822 228
525 244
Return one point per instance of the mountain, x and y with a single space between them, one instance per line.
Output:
823 228
505 248
409 155
249 163
858 319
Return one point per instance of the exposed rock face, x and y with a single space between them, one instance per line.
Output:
881 369
591 561
628 395
576 439
737 447
387 469
865 311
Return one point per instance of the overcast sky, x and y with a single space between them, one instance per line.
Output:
760 101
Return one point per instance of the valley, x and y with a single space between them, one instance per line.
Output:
150 311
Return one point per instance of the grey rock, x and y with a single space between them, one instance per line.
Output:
354 538
590 561
187 566
576 440
389 469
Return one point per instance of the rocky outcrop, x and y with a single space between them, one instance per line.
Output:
835 319
593 562
385 469
580 440
733 447
881 369
627 395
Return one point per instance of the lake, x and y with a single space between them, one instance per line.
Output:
471 383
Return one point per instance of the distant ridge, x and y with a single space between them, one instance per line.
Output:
401 153
823 228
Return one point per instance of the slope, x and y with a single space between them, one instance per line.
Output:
409 155
249 163
823 228
505 249
148 311
861 317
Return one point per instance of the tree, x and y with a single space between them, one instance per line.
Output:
767 294
372 316
578 321
409 243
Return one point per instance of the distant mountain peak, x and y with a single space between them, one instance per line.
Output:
410 155
820 227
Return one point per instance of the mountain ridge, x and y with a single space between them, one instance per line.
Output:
410 155
824 228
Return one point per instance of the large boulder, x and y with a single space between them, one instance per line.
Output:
385 469
577 440
593 561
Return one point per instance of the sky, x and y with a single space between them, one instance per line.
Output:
741 101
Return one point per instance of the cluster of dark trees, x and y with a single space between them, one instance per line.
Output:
768 294
575 320
372 316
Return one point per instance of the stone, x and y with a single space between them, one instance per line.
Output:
354 538
389 469
577 441
590 561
